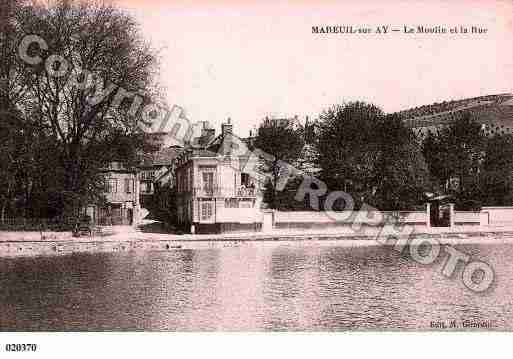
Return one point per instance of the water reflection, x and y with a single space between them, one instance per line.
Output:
251 287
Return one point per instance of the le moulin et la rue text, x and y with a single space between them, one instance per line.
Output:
403 29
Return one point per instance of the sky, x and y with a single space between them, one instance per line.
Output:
248 60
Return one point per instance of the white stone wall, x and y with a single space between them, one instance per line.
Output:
497 216
466 217
346 217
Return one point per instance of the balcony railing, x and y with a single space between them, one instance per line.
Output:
243 191
213 191
206 191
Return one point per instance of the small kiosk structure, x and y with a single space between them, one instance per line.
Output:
441 211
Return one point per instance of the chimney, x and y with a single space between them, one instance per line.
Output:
227 128
227 133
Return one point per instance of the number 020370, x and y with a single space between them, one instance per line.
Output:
20 347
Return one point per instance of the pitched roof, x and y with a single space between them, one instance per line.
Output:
163 157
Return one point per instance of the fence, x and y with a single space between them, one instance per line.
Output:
103 218
113 216
37 224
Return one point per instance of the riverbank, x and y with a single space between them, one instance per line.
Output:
124 238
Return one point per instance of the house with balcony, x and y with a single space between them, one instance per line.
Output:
216 191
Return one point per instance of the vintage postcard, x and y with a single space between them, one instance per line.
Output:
255 166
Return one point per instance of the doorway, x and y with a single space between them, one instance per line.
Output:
440 214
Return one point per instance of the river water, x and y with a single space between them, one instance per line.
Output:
255 287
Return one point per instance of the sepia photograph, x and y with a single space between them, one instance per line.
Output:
255 166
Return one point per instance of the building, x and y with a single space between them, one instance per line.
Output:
216 191
157 170
122 206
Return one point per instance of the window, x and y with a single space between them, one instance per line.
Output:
146 187
207 175
146 175
190 179
208 182
231 203
244 179
206 210
129 185
112 185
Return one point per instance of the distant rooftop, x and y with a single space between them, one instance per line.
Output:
487 109
163 157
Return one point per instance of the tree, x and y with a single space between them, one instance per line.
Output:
373 157
347 148
11 88
434 150
80 109
454 155
284 140
496 177
9 152
16 135
401 173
